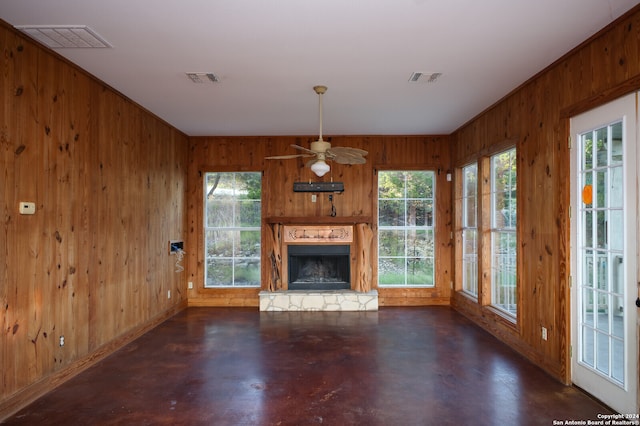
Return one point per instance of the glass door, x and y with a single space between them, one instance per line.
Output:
604 254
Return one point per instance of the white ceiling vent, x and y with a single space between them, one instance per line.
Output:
423 77
64 36
203 77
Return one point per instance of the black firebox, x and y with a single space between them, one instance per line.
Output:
319 267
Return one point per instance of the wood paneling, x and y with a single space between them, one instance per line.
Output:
109 183
357 204
535 116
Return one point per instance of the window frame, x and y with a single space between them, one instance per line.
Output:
256 259
507 277
431 228
469 288
486 229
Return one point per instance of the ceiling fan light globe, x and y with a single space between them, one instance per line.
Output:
320 168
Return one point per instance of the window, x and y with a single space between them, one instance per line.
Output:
406 217
232 218
470 229
503 232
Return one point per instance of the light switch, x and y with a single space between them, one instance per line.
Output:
27 208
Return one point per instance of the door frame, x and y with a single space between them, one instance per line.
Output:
582 376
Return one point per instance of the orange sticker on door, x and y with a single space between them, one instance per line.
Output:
587 194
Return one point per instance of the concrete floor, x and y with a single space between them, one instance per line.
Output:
239 366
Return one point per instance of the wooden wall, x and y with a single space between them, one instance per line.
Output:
358 200
113 184
109 183
536 118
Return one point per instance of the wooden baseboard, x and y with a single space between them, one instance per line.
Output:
29 394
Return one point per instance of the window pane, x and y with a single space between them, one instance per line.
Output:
247 244
247 272
218 243
391 271
470 212
470 261
219 272
587 151
419 213
601 147
503 236
420 271
406 252
391 213
391 185
249 213
391 242
232 229
219 213
419 243
469 231
616 144
616 230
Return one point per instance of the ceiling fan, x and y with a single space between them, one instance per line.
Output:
321 151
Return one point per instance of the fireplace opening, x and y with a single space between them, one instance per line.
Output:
319 267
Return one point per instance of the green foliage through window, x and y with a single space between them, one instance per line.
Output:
503 232
406 215
232 219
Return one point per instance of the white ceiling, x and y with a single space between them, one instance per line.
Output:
268 56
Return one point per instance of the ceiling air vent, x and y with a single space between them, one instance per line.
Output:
423 77
203 77
64 36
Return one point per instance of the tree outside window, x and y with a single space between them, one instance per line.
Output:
503 232
406 216
232 219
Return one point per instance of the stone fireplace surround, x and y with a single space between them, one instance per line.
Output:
360 297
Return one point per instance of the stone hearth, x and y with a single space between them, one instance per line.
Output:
326 300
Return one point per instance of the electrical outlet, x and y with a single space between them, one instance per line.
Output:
190 285
544 333
314 198
61 341
169 294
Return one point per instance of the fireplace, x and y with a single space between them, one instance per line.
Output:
319 267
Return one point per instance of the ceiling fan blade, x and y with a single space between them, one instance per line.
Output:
345 150
344 159
302 148
286 157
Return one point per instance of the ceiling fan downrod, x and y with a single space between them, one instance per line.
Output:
320 145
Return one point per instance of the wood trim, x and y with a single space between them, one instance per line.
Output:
608 95
319 220
488 151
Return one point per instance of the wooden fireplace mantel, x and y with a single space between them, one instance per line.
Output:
318 234
318 220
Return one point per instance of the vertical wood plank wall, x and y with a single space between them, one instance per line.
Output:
536 117
109 183
358 200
